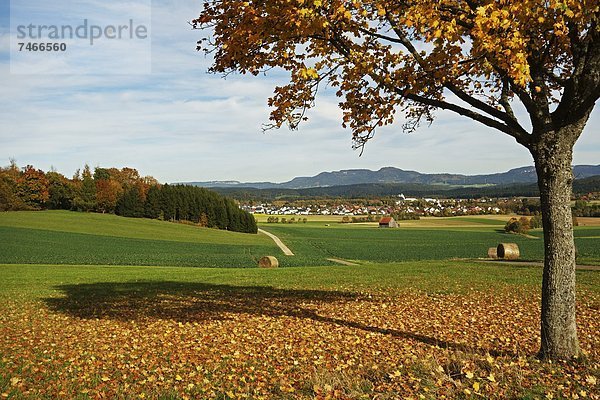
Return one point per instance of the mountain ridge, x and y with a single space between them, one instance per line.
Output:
397 175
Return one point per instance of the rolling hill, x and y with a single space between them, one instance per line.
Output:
391 175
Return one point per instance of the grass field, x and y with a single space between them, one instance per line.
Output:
427 327
59 237
450 239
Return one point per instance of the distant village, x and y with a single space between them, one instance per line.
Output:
401 207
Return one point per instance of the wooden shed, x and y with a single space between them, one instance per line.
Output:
388 222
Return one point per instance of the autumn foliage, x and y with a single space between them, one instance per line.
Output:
202 341
123 192
384 56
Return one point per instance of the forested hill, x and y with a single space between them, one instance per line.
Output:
580 187
122 192
395 175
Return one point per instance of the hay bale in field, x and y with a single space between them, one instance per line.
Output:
268 262
508 251
493 252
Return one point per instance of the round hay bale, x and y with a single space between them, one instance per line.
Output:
508 251
493 253
268 262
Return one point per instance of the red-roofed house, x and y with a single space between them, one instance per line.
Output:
388 222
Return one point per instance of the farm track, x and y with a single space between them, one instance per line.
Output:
286 250
539 264
343 262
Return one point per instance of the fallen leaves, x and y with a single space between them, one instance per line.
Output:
228 342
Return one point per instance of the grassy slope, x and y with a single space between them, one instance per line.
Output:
59 237
114 226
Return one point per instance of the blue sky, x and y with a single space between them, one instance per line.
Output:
170 119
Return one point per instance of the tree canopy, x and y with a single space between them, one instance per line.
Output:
416 56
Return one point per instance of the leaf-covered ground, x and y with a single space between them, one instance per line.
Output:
174 339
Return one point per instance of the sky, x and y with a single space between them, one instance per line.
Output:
148 103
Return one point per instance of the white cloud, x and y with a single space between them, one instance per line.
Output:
179 123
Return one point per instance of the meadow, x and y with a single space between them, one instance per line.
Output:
432 327
427 239
61 237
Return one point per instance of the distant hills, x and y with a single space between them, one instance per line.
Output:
390 175
376 190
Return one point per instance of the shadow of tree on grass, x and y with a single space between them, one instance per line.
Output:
196 302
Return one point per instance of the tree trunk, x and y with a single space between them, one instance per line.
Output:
553 157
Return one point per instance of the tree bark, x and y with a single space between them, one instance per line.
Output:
553 154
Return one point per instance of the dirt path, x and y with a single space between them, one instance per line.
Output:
539 264
278 242
343 262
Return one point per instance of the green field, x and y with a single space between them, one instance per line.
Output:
60 237
452 239
407 321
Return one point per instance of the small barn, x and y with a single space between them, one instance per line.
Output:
388 222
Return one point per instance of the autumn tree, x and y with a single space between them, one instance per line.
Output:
108 192
9 201
482 59
33 187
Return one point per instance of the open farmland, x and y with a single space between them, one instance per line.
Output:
430 327
60 237
431 239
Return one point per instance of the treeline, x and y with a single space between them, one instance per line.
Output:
585 186
585 209
119 191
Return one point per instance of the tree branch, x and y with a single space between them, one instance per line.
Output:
521 137
472 101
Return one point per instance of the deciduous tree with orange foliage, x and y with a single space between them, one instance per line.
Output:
476 58
33 187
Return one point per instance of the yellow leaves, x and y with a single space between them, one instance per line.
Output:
269 344
395 374
308 73
105 378
305 12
